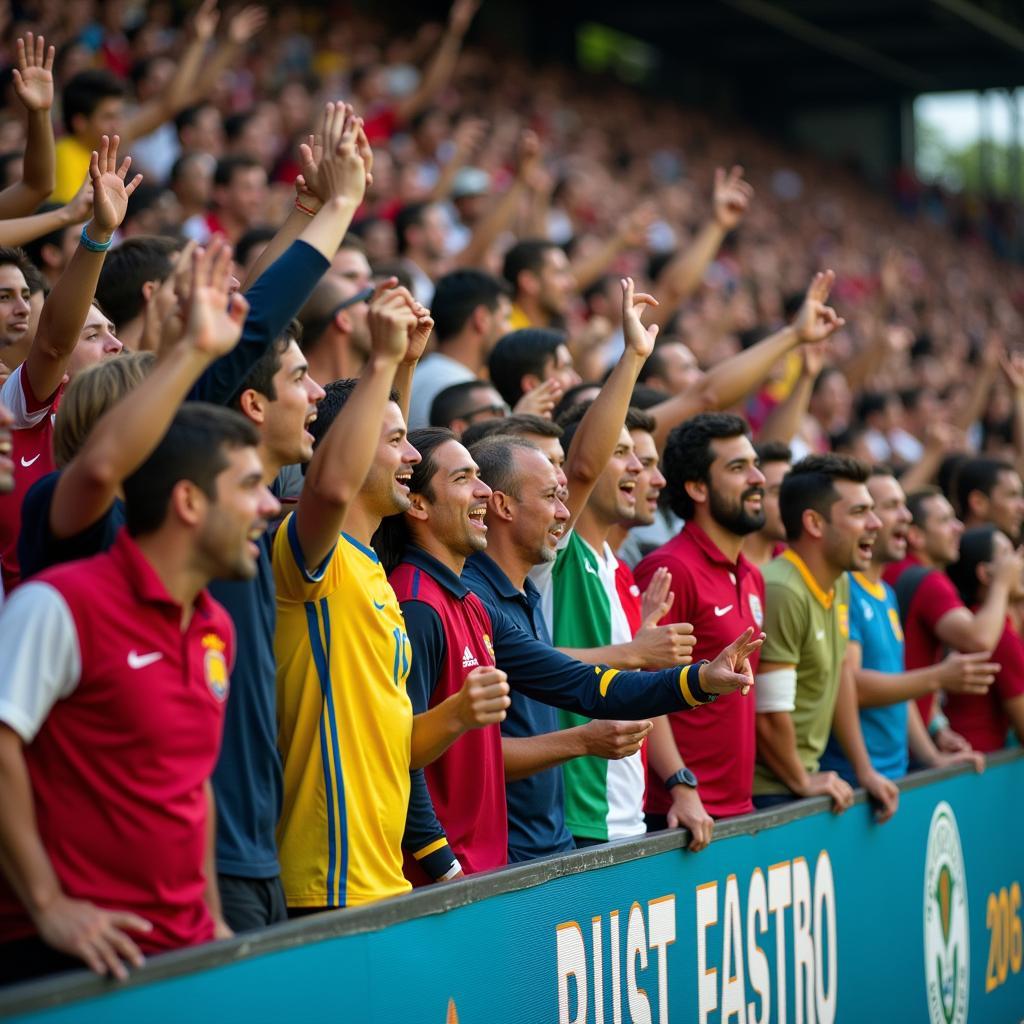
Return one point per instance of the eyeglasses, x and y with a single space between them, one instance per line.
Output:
492 411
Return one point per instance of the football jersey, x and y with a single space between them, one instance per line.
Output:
345 724
603 799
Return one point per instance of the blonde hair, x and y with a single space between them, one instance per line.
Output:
90 395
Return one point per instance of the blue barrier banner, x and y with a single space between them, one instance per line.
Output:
794 916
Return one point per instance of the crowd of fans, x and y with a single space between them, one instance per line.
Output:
468 469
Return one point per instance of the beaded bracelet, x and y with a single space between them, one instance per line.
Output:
91 244
305 209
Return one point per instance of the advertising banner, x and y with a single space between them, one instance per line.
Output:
796 916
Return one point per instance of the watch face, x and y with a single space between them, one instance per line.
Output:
688 777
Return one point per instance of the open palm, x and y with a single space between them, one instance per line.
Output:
639 338
110 192
33 76
215 317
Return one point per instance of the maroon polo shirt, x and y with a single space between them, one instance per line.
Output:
121 712
721 599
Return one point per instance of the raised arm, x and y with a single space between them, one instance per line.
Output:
33 84
783 422
980 630
21 230
599 429
439 70
631 234
682 275
125 435
341 461
733 379
67 306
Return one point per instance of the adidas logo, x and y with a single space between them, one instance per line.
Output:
469 659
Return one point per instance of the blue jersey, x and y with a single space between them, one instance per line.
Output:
875 626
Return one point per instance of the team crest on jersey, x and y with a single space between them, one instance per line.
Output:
756 610
487 643
894 621
215 666
844 620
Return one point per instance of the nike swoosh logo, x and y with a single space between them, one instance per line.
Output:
721 611
28 462
819 635
136 660
379 607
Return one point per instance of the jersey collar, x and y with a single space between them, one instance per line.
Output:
809 581
876 590
437 570
710 549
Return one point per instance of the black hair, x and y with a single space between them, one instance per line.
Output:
454 402
526 255
976 546
393 537
688 455
127 268
497 461
644 397
811 483
917 501
15 256
571 418
519 353
572 397
515 425
978 475
227 166
194 448
257 236
260 377
949 471
773 451
34 248
872 402
336 394
407 217
85 91
457 295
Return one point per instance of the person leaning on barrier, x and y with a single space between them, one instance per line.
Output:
803 687
112 703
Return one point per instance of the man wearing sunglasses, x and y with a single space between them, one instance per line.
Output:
335 336
461 405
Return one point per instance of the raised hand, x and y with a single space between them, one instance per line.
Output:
79 206
529 156
816 320
638 338
731 670
335 169
204 22
33 75
658 597
391 319
419 333
1012 365
110 193
461 15
541 400
247 23
215 316
731 197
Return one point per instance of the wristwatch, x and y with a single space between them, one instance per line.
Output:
683 777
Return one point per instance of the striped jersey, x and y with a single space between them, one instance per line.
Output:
345 725
580 600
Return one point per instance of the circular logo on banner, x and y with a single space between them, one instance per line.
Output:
947 953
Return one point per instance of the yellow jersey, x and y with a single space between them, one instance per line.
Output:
345 725
72 167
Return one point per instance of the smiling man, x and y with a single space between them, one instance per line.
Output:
803 689
701 770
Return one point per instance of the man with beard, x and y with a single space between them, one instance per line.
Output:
112 702
715 485
761 546
991 491
889 719
803 690
452 631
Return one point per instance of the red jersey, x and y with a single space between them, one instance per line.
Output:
935 596
982 720
32 454
721 599
120 711
450 633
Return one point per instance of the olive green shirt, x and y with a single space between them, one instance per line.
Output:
806 627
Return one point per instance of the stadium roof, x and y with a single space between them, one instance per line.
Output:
830 51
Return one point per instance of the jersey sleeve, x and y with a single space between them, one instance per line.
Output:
42 660
1009 654
274 298
27 410
936 596
424 838
785 624
294 582
857 619
597 691
426 637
